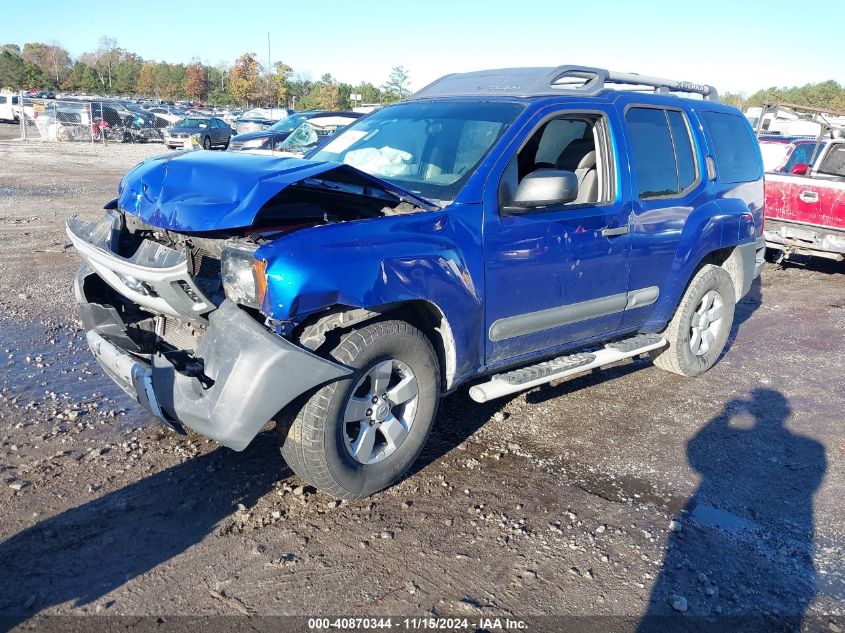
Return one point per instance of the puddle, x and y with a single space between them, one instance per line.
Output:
711 516
49 362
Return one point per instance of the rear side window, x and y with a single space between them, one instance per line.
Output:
664 161
834 163
2 99
737 158
683 148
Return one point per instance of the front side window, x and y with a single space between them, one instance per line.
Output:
571 142
737 156
430 149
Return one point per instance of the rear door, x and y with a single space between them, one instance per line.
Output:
820 200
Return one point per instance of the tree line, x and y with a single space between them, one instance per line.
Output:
112 70
826 95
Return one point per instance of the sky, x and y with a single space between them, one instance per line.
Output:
735 45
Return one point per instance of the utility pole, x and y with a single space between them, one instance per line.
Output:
269 67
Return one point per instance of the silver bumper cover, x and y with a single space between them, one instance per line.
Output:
248 375
156 277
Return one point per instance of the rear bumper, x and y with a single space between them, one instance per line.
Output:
240 376
805 239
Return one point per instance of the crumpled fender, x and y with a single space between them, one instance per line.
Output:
375 262
212 191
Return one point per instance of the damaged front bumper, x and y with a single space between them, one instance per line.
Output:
240 376
235 376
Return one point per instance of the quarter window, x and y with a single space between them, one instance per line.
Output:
664 161
737 156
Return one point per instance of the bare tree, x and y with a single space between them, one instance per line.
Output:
107 53
224 67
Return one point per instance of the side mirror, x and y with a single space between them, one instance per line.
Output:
542 188
800 169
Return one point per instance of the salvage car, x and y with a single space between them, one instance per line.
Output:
209 132
805 208
306 137
498 230
266 140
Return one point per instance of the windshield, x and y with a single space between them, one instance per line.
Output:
773 155
289 124
430 149
192 123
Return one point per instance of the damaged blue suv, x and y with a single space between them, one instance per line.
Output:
499 229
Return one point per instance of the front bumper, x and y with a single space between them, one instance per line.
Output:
240 376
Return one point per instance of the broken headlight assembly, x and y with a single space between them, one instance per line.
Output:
244 278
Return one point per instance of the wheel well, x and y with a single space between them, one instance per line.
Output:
432 322
423 315
727 258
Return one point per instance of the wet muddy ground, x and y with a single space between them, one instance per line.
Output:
629 492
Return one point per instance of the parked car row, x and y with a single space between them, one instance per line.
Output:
296 134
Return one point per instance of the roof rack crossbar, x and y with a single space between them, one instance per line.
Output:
568 79
596 79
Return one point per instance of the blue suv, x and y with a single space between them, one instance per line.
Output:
499 229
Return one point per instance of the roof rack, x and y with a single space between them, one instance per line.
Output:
541 82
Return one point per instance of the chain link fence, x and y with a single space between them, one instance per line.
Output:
92 121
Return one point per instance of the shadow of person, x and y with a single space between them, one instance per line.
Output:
743 558
84 553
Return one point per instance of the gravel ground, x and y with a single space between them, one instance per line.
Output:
628 492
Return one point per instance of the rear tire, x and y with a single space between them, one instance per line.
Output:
349 440
702 323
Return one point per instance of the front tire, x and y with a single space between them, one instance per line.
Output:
206 143
698 332
359 435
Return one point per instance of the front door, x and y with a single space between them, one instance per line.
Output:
559 274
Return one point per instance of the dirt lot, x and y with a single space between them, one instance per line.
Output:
629 492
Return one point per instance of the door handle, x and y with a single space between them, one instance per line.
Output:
809 196
613 232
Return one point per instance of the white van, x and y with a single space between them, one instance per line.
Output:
9 108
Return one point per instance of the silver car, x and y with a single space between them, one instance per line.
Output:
208 131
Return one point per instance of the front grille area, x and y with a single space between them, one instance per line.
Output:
181 334
206 271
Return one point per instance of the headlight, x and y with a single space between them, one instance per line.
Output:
242 276
255 143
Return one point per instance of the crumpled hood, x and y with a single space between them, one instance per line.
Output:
211 191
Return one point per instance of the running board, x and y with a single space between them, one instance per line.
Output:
563 366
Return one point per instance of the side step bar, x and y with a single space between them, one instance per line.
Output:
563 366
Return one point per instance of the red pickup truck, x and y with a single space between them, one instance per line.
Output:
805 208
